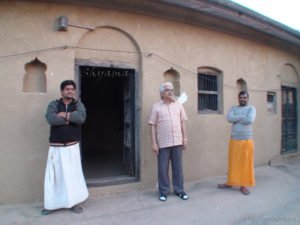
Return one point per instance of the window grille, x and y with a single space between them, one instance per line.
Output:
208 93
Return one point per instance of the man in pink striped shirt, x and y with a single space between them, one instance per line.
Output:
168 132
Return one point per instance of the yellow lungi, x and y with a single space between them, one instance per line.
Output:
240 163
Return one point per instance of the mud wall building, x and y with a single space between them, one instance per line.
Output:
117 52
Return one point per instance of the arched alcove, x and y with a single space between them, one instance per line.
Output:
289 75
173 76
241 85
34 79
109 45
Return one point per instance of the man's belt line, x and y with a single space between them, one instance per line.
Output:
63 144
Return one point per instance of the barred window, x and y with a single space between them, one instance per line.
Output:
209 99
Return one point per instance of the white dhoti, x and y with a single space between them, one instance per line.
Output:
64 182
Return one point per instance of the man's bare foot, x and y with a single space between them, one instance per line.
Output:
244 190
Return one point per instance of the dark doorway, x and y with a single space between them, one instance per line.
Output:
107 147
289 119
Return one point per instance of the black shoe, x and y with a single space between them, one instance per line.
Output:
163 197
182 195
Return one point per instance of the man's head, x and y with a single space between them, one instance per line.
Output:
68 88
243 98
166 91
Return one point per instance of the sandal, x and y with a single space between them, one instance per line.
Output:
244 190
223 186
77 209
183 196
46 212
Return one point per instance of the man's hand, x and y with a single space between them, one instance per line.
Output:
184 144
62 114
155 149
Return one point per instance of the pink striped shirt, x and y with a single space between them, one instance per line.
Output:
167 120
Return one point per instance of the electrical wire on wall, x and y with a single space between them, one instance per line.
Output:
145 54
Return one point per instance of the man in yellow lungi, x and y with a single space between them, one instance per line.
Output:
241 147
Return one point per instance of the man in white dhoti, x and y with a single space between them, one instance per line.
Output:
64 185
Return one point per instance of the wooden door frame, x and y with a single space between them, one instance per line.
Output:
296 118
96 63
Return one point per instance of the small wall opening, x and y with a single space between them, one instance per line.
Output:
34 79
241 85
173 76
271 103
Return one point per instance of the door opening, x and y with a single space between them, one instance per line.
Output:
289 119
108 135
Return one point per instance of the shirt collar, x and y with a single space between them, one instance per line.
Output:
162 102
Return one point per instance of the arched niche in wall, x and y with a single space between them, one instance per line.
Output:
241 85
111 46
289 76
34 79
108 46
173 76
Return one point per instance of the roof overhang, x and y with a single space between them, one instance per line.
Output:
221 15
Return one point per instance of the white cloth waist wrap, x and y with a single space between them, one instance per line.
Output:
64 182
